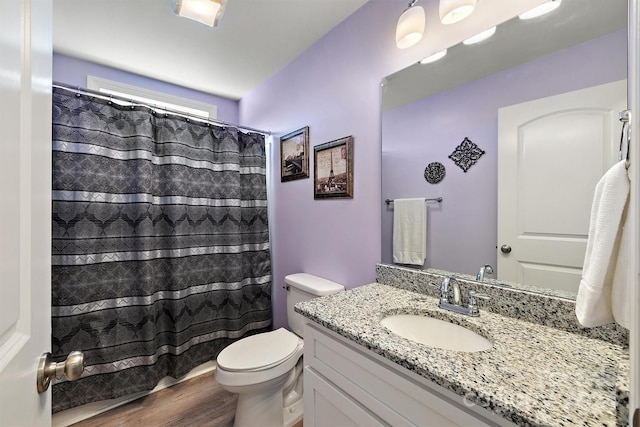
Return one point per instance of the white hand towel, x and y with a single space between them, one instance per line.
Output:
621 301
594 301
409 231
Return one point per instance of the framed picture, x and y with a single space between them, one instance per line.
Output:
294 155
333 167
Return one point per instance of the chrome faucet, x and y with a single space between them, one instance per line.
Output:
454 292
450 297
485 269
472 306
448 284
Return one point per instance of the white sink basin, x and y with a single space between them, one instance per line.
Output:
435 333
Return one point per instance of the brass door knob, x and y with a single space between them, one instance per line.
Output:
72 367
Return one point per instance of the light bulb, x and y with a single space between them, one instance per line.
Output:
410 27
434 57
480 36
541 9
452 11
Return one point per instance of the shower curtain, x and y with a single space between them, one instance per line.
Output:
160 244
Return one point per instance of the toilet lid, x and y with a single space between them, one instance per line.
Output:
258 351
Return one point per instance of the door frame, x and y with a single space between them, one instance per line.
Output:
633 73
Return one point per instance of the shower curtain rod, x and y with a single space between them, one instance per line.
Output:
108 97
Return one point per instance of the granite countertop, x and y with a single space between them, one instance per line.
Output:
533 376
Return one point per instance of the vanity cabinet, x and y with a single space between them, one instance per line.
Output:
348 385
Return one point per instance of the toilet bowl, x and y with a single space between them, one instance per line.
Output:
265 370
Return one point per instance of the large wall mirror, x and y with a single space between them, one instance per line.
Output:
493 94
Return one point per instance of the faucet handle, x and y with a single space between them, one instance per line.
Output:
473 302
443 288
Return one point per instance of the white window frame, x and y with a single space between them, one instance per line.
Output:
153 98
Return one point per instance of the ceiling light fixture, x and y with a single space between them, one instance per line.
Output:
410 26
434 57
452 11
207 12
480 36
541 9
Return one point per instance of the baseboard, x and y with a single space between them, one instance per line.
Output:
79 413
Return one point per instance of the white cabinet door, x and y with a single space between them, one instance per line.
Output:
327 406
551 154
25 208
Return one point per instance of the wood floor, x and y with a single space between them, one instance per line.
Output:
196 402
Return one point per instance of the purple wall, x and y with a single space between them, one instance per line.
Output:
334 88
462 230
330 88
74 72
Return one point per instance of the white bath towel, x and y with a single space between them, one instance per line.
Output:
603 263
409 231
621 296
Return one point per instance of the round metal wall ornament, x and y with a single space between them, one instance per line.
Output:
434 172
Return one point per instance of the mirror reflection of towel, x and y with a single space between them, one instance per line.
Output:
603 295
409 231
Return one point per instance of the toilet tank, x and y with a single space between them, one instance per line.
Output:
303 287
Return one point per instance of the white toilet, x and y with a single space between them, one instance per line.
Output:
265 370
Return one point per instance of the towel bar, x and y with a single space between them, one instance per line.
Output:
436 199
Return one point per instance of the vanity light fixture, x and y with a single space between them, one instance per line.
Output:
410 26
207 12
541 9
452 11
434 57
480 36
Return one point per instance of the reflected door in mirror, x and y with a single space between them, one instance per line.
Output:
551 154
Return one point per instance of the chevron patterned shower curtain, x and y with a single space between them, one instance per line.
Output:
160 246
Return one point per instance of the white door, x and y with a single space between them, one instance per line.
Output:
25 206
551 154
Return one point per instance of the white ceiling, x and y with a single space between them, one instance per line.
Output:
255 39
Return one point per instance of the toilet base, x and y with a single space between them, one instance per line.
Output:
252 409
292 414
265 405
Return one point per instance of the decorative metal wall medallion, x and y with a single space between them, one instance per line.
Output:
466 154
434 172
